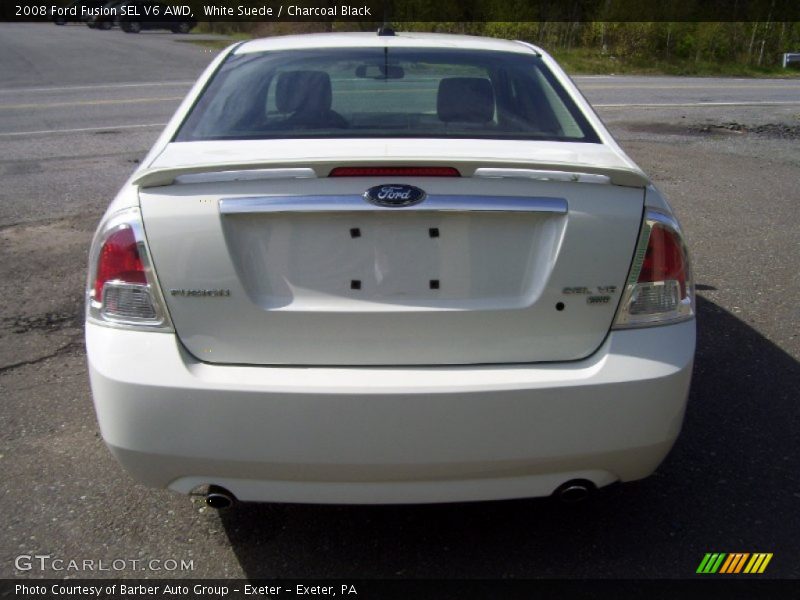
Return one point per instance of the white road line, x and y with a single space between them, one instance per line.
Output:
80 130
97 87
90 103
624 86
632 105
700 104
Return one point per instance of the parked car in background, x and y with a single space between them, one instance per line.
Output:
141 15
390 268
107 16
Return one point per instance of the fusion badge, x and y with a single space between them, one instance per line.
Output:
192 293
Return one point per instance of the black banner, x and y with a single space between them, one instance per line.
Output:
399 11
736 587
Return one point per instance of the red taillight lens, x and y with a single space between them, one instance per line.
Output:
122 289
394 172
659 288
663 259
119 260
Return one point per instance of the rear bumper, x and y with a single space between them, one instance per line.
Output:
389 435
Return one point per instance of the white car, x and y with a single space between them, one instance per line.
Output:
388 268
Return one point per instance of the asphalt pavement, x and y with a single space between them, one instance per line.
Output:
78 110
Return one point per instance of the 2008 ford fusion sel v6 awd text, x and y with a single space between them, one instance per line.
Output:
361 268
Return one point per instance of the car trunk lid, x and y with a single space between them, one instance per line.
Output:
304 271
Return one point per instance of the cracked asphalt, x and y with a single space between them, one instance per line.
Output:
79 108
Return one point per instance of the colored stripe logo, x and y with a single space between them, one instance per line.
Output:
734 563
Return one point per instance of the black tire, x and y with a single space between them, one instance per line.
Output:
182 28
104 25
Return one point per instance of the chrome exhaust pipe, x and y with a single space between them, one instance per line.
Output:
575 491
219 498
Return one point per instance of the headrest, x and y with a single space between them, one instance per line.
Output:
465 99
304 91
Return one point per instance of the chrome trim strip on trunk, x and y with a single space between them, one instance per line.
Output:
433 203
246 175
543 175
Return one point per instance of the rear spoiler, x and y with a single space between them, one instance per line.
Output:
623 176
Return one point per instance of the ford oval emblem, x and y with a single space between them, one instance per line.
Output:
394 195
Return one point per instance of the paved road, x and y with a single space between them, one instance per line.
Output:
78 108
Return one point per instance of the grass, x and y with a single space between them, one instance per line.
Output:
587 61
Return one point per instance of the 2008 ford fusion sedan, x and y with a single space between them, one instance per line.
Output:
388 268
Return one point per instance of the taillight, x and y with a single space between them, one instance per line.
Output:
659 288
119 260
122 289
394 172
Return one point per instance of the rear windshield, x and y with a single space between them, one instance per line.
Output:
381 92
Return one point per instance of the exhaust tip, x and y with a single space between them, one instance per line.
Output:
575 491
219 498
